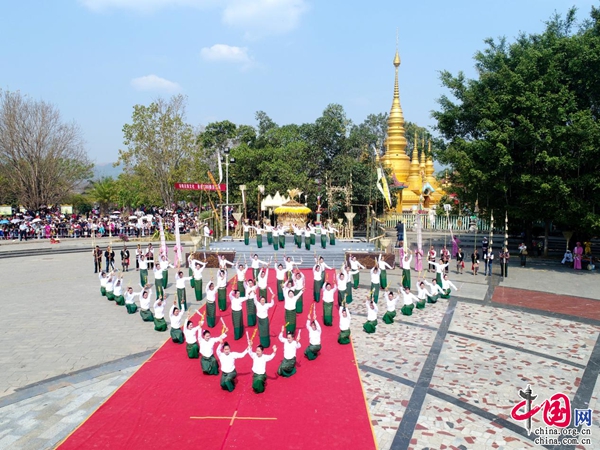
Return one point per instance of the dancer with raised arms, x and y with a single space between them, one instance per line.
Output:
228 372
259 367
287 368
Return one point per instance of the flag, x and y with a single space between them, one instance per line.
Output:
163 243
491 227
506 230
177 241
220 167
382 185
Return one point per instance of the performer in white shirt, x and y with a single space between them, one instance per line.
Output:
259 367
190 333
236 313
383 266
421 295
342 285
130 300
390 302
409 302
289 266
160 323
446 285
280 275
406 269
251 293
241 278
164 266
246 228
103 277
307 238
439 269
197 268
255 264
297 236
228 373
269 231
224 262
143 265
180 285
118 291
434 291
262 311
314 337
208 362
145 312
375 283
355 267
344 336
275 238
332 232
176 318
299 283
110 286
318 277
324 233
287 368
290 310
371 324
222 290
328 295
211 304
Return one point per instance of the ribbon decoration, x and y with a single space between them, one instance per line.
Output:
163 244
177 240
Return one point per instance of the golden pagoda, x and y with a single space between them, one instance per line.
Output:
410 174
395 143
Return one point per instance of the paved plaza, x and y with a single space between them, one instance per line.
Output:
446 377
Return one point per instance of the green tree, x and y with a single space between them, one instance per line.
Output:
104 192
524 136
42 158
161 147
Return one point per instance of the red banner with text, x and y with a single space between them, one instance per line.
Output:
199 187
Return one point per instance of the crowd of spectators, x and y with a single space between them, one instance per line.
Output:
50 223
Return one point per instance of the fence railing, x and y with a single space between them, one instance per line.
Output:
440 222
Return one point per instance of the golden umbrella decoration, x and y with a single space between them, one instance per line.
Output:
292 207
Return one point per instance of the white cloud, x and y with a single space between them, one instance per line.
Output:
154 83
226 53
260 18
144 5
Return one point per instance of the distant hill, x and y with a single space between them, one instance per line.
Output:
106 170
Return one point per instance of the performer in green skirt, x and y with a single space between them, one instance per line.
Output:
237 316
241 278
208 362
280 273
103 277
439 270
118 291
176 317
269 230
355 267
328 295
446 285
282 238
375 283
287 368
262 311
299 281
158 282
317 282
382 265
181 294
190 333
297 236
110 286
307 238
259 367
130 300
410 300
164 266
259 237
160 323
143 264
290 310
145 312
421 295
211 304
390 313
323 238
314 337
246 233
342 285
197 269
371 324
251 294
255 264
435 291
275 238
406 269
331 232
222 290
228 373
344 336
313 235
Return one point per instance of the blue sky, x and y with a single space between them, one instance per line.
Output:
95 59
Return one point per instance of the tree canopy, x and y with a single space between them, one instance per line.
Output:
524 135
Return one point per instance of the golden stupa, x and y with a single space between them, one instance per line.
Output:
410 174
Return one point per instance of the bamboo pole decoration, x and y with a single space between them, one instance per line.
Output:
224 327
253 334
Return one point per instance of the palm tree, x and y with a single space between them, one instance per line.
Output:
104 192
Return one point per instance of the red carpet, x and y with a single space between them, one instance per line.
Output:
545 301
321 406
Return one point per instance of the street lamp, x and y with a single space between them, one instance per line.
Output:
227 161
